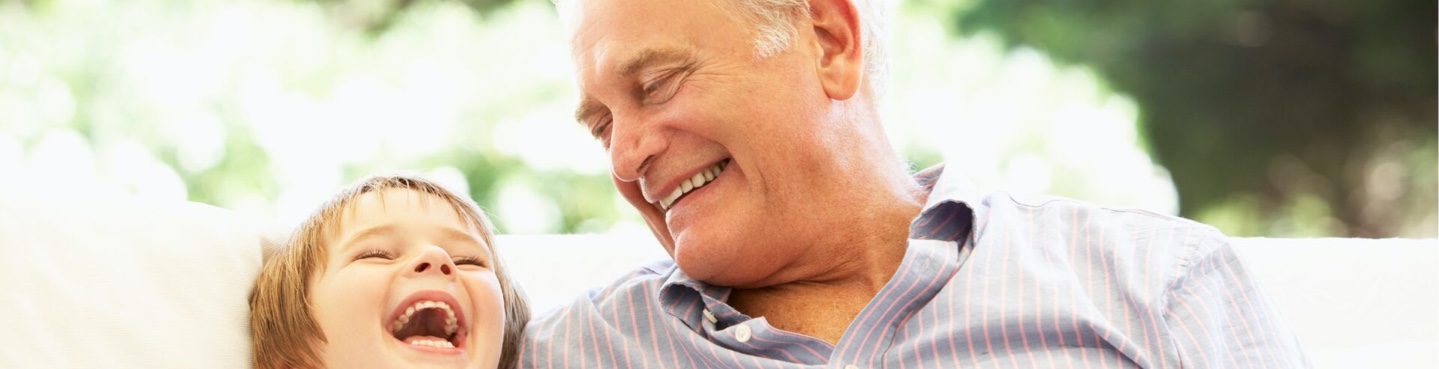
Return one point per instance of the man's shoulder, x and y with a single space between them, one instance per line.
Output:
648 276
629 288
1043 210
1141 233
599 315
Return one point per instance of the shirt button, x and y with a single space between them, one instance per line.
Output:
850 366
742 333
710 316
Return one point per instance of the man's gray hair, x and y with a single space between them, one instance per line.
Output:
775 32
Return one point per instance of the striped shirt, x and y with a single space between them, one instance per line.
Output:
996 281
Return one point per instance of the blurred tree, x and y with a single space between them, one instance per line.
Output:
1280 119
1274 117
378 15
1263 104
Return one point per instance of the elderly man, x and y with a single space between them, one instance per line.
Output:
746 134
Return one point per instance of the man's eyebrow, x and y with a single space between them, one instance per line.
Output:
648 57
588 106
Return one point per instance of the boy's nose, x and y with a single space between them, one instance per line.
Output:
433 259
444 268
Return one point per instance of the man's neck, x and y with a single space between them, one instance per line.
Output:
846 270
822 311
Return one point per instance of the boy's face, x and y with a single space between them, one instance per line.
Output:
408 284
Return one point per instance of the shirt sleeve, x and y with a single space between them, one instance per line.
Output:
1219 316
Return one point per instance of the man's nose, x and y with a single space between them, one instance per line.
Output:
634 146
432 260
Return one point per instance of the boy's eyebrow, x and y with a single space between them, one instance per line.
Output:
467 238
380 230
451 236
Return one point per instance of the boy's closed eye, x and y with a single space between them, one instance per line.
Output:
471 260
383 254
462 260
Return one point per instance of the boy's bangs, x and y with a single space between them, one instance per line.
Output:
327 222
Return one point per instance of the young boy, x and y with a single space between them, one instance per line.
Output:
394 272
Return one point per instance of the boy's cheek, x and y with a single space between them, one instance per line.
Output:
487 297
488 301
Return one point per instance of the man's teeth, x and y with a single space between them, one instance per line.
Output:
452 324
699 180
433 343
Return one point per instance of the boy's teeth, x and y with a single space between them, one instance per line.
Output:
452 323
690 184
433 343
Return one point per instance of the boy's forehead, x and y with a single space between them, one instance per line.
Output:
379 207
390 200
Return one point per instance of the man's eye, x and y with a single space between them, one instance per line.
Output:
375 254
471 260
662 89
655 85
602 131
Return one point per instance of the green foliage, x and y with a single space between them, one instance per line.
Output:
1278 103
269 106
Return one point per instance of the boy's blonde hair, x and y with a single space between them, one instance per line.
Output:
283 330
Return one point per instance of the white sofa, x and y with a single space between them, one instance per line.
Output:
115 282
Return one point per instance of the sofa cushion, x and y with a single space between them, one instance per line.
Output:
89 281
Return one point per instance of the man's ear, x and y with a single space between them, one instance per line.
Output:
837 36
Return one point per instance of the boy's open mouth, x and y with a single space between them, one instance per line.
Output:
429 321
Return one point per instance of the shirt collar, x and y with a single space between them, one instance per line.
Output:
948 215
687 298
950 210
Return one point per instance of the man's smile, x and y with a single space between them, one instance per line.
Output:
703 177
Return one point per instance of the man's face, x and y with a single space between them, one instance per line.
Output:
408 284
721 152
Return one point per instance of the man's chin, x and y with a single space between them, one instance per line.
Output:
716 267
692 260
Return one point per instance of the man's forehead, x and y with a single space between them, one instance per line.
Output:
604 54
587 58
613 40
604 30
